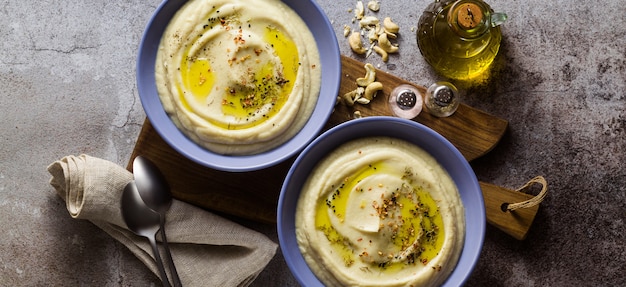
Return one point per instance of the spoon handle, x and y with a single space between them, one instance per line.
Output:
157 258
168 255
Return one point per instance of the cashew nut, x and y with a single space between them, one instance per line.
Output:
362 101
368 21
359 92
355 43
348 98
382 53
372 89
359 11
379 29
357 115
373 5
386 45
390 35
372 36
390 26
346 30
370 76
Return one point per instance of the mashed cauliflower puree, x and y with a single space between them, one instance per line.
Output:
238 77
380 212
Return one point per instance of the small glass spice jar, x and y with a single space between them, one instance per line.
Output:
405 101
442 99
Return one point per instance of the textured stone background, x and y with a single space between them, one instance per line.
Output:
67 86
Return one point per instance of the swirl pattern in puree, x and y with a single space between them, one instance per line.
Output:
380 212
238 77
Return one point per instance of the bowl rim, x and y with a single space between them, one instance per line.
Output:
447 155
330 58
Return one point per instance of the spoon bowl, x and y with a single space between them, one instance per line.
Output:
151 184
143 221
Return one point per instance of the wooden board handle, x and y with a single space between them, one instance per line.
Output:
515 223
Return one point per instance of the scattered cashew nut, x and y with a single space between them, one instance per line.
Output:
348 98
370 76
362 101
355 43
371 89
372 35
383 54
359 11
386 45
390 26
389 34
373 5
346 30
368 21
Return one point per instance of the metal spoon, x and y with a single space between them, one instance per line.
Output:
143 221
155 192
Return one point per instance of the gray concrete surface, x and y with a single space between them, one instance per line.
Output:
67 86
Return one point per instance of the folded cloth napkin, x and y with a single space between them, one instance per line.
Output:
207 250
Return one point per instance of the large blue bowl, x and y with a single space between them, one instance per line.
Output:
328 48
440 148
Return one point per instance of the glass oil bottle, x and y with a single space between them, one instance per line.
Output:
459 38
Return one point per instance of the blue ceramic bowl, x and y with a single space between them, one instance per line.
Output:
328 48
440 148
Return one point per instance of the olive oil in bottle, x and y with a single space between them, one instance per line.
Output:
459 38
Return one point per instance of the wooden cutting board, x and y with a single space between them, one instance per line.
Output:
254 195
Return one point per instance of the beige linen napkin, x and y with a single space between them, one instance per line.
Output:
208 250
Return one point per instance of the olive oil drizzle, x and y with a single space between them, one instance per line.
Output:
251 104
411 217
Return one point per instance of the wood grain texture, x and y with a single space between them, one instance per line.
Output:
254 195
514 223
250 195
470 130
